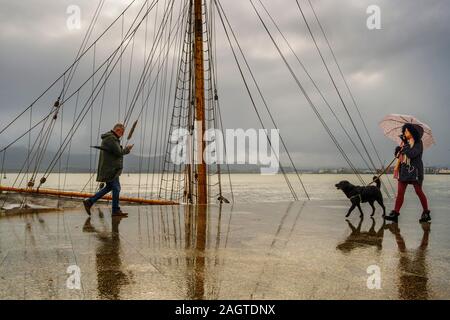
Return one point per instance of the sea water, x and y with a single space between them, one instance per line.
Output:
247 188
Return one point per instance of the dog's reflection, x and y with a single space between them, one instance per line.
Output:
359 239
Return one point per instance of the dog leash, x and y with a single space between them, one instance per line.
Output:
384 172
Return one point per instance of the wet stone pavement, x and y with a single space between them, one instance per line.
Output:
298 250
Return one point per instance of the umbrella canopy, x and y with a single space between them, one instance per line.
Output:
392 128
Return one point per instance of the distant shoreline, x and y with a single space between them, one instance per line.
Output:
232 172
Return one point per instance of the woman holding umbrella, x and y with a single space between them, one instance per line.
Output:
409 168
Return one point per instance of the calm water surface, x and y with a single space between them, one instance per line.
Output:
250 187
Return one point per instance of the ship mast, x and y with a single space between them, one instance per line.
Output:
202 196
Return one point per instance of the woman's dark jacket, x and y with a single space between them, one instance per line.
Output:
110 163
415 154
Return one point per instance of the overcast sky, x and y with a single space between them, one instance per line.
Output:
402 68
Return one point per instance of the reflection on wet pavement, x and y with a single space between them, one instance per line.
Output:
358 238
296 250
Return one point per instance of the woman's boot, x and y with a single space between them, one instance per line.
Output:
393 216
426 217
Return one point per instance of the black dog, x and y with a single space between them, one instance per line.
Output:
358 195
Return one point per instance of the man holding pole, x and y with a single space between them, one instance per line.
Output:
110 166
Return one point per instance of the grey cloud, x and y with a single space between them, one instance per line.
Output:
403 68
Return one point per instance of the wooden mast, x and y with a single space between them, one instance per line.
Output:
202 196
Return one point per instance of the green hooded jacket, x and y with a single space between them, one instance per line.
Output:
110 163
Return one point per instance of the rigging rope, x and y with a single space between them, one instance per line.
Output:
338 92
348 89
291 188
315 85
69 68
265 104
319 116
87 106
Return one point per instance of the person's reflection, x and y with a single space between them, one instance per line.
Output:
110 277
413 273
358 238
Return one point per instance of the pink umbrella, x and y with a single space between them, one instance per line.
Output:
392 128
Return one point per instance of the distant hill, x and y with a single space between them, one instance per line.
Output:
79 163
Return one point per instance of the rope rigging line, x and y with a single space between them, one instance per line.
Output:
70 144
348 89
29 139
215 76
163 95
311 104
143 78
144 127
69 68
98 138
26 132
160 67
266 105
333 81
72 71
62 103
92 117
212 100
150 69
162 72
184 64
92 176
120 73
162 64
28 161
213 97
315 85
218 5
153 123
2 171
338 92
128 36
174 178
87 106
175 69
167 80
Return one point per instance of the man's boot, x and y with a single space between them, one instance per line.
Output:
87 206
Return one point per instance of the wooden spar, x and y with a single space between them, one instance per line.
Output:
202 196
68 194
130 135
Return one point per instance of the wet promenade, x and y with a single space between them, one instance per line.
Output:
300 250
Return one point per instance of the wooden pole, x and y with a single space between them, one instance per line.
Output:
68 194
202 196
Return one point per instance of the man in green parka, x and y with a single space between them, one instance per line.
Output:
110 167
